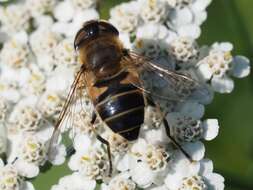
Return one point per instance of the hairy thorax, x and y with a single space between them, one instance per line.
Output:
102 56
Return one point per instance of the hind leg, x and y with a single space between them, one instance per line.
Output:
150 102
103 141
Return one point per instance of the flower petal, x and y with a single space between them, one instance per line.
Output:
215 181
204 71
200 5
211 129
27 186
240 66
206 167
59 154
138 176
26 169
222 85
82 142
196 150
123 163
181 17
189 31
74 162
64 11
173 182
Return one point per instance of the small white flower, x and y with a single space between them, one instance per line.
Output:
64 11
37 8
184 50
64 53
153 10
154 31
155 157
11 180
120 182
150 47
149 159
33 151
55 83
81 121
199 175
43 42
187 16
216 67
50 104
91 161
185 128
28 151
9 91
25 117
153 130
217 63
16 52
75 182
14 18
43 21
35 83
118 144
125 16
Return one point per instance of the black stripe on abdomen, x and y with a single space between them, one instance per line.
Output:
128 125
120 104
123 112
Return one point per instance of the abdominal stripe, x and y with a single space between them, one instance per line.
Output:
123 110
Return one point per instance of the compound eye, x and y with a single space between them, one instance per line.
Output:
80 36
88 30
108 28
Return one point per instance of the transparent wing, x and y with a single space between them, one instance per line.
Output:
158 81
68 111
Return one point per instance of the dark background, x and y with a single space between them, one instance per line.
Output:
232 150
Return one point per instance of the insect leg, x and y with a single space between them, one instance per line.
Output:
103 141
167 128
176 144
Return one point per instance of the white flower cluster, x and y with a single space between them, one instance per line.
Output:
38 64
37 67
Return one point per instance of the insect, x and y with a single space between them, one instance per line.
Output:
111 75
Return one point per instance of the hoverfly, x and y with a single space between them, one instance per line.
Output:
111 75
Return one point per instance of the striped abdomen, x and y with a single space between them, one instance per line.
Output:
121 107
